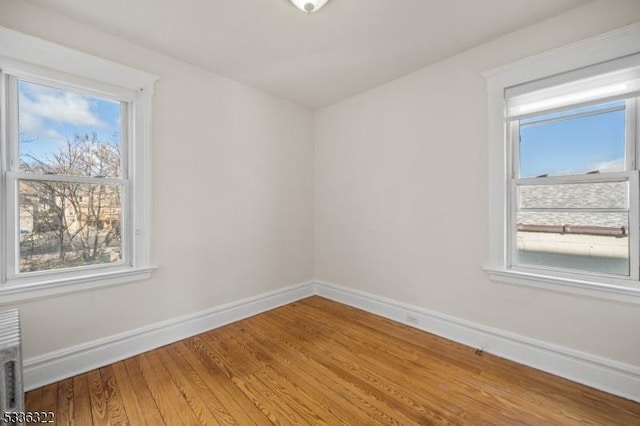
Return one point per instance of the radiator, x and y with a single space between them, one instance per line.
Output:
11 387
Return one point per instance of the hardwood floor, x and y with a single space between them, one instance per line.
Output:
318 362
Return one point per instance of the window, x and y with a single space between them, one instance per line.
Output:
75 170
565 205
572 176
69 147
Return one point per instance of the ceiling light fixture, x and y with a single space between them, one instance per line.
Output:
309 5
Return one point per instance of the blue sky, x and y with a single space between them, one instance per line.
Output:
573 145
48 116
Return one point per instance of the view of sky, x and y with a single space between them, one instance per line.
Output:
48 117
562 144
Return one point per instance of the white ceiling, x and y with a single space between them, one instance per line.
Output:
314 60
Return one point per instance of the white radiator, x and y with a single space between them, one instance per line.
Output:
11 387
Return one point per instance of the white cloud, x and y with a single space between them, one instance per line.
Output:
616 165
610 166
39 103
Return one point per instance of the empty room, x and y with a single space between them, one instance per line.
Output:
320 212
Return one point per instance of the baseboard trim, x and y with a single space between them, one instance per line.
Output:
597 372
600 373
54 366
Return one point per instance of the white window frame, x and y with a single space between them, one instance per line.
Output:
619 46
35 60
630 175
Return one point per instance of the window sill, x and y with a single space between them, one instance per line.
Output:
48 287
618 290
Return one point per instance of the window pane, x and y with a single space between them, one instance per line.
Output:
61 132
590 242
608 195
577 141
64 225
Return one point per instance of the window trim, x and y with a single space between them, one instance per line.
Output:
14 175
619 45
42 61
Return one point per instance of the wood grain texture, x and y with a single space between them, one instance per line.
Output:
81 414
99 412
318 362
64 406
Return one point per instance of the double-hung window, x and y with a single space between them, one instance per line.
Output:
565 169
75 175
67 182
573 185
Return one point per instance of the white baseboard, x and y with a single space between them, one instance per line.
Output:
600 373
54 366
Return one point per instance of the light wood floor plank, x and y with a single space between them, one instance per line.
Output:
354 393
239 368
359 355
81 402
64 409
146 404
279 335
168 398
275 383
115 406
49 401
99 412
380 386
132 404
190 392
33 400
317 362
185 372
391 388
321 386
526 407
235 402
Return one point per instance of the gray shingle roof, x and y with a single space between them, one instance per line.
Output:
566 196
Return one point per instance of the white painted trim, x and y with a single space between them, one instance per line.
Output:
68 362
601 373
45 62
618 45
53 287
601 48
43 53
609 289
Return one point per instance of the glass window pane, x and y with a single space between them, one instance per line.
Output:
589 242
64 225
608 195
576 141
62 132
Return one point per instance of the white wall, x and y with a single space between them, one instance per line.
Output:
402 196
232 195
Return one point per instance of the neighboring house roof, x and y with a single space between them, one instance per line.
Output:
567 196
